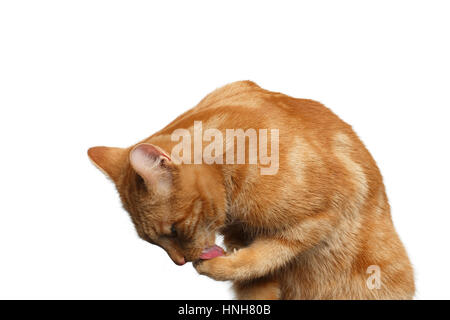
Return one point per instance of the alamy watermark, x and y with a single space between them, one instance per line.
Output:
374 280
230 148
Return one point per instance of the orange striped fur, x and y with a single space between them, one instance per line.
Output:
311 231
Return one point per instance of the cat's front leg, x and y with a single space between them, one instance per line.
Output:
266 255
220 268
257 260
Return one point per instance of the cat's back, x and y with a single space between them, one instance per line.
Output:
244 104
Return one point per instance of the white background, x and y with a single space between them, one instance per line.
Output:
75 74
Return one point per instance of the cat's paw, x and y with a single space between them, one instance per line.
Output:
220 268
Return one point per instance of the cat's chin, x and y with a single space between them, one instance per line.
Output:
212 252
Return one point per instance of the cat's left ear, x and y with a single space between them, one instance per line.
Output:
153 165
109 160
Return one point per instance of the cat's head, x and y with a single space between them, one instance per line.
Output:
177 207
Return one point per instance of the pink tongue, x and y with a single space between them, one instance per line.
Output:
212 252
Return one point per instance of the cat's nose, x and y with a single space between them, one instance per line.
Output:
180 261
177 258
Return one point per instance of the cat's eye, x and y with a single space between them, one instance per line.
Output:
173 231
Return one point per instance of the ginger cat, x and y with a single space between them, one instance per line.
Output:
315 227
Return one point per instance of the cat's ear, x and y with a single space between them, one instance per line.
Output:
109 160
153 165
